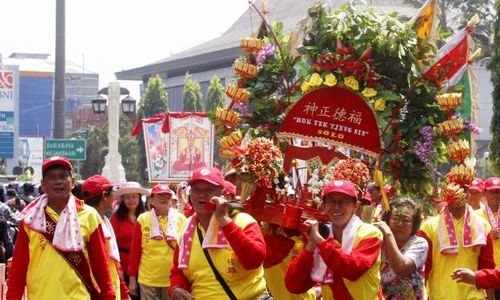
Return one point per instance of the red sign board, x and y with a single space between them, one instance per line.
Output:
335 115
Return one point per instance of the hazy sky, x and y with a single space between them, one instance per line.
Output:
112 35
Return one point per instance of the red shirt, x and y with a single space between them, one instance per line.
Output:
124 232
488 278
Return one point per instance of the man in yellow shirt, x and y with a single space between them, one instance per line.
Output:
458 238
155 237
348 260
219 256
60 251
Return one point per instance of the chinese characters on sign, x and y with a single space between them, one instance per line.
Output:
332 128
334 115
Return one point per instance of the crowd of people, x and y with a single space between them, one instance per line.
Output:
193 241
13 198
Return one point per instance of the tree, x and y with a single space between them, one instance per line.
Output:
494 67
216 96
460 12
155 98
129 148
97 141
192 96
153 102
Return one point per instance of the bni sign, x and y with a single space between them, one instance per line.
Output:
71 149
7 95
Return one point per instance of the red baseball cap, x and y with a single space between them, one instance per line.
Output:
345 187
477 185
56 160
367 197
211 175
95 185
229 188
161 189
492 183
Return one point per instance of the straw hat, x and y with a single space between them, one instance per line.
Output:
131 187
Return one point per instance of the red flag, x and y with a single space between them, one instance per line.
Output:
451 60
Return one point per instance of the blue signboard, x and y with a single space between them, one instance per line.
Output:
6 144
7 107
6 121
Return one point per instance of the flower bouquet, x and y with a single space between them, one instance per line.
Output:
354 170
258 164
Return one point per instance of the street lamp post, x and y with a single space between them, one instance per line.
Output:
113 168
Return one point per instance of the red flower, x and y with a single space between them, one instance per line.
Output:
345 50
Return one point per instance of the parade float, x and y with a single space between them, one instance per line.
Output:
351 94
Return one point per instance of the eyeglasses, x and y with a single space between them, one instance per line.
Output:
401 219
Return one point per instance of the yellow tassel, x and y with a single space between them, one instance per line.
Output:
476 55
379 180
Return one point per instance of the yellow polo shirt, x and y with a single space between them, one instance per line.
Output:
246 284
440 285
156 256
63 282
275 276
368 285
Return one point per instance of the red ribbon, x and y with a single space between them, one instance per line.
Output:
138 126
166 120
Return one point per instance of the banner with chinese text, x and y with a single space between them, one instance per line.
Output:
335 115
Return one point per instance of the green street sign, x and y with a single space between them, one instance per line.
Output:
72 149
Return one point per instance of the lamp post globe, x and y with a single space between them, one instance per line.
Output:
128 105
99 104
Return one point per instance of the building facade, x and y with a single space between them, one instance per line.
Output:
36 92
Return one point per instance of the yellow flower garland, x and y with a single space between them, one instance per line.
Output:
315 80
379 104
351 82
330 80
369 92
